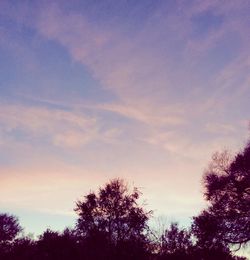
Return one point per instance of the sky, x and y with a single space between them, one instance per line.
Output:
141 90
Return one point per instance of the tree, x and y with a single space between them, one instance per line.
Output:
176 243
23 248
208 231
54 245
114 217
9 228
227 189
206 228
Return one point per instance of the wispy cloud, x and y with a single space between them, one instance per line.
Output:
220 128
146 115
138 76
63 128
151 77
143 71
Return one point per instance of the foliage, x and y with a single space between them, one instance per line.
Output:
176 243
9 227
23 248
114 212
53 245
207 229
227 188
113 217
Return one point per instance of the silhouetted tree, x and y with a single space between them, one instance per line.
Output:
55 246
176 243
206 229
227 188
23 248
113 219
208 233
182 244
9 227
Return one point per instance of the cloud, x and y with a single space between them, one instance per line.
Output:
150 71
145 115
145 68
220 128
138 76
184 149
155 72
229 79
62 128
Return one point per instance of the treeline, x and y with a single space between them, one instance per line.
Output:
112 224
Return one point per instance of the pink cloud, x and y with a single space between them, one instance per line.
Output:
136 75
220 128
64 128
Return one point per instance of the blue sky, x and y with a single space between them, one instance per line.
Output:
142 90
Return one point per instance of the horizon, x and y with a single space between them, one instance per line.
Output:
92 91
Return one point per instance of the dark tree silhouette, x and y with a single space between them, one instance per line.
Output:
182 244
52 245
176 243
23 248
113 219
9 228
227 188
207 230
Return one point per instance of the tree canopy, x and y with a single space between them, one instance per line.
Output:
227 189
9 227
113 216
176 242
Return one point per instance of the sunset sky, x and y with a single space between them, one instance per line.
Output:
144 90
